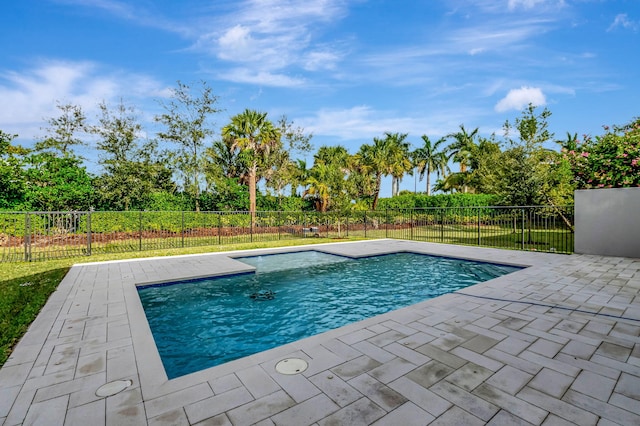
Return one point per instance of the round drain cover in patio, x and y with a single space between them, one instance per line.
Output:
291 366
113 388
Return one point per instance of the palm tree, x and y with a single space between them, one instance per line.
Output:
398 159
318 186
256 137
374 160
428 159
461 150
300 175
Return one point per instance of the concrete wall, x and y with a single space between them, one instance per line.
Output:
607 222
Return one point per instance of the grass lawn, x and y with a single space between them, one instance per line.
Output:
25 287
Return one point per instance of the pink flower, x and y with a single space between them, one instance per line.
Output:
585 154
635 161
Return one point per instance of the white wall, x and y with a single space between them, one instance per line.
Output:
607 222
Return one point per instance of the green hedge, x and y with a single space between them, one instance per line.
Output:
413 201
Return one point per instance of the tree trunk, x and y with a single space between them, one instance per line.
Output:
252 193
377 193
428 181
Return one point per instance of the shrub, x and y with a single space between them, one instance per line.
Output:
608 161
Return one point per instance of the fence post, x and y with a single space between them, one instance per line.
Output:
27 238
442 225
522 230
251 227
478 225
386 223
346 223
89 233
326 220
279 218
219 228
365 224
140 231
182 229
411 224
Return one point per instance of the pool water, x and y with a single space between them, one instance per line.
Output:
204 323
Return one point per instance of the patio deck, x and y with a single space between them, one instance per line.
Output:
556 343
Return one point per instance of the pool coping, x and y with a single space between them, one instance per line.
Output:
153 377
93 330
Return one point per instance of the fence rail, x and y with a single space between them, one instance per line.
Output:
33 236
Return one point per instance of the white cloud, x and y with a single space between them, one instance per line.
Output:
517 99
364 123
236 44
262 78
531 4
269 36
622 20
34 92
320 59
135 13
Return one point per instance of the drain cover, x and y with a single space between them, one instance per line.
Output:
291 366
113 388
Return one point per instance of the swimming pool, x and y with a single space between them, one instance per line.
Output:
203 323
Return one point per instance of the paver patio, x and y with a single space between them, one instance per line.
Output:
556 343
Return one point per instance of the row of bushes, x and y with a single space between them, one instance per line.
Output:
409 200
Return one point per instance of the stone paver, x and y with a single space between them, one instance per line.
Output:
513 350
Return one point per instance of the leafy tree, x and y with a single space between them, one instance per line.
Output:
131 172
523 162
294 138
278 171
57 183
299 176
255 136
12 184
228 195
187 120
428 159
62 133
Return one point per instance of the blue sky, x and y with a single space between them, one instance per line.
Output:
345 70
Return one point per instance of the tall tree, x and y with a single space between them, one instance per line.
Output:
461 151
373 160
326 182
63 131
399 159
255 136
319 186
524 160
131 171
187 121
428 159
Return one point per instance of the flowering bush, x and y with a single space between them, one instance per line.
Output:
608 161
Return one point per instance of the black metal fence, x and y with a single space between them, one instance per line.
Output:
32 236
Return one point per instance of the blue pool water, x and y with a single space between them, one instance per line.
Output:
200 324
